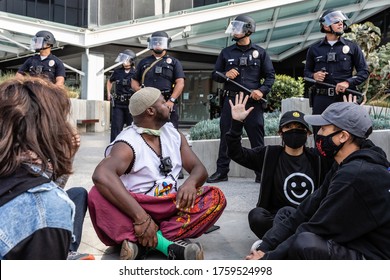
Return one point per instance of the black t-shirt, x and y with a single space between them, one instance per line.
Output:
293 181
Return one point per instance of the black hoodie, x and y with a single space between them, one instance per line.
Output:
352 208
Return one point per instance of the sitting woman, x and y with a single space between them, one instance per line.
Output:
35 149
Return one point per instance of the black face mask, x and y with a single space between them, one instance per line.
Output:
325 145
294 138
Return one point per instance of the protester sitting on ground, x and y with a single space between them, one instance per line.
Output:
35 148
136 200
289 172
348 217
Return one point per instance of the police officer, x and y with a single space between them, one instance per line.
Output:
122 92
245 63
161 71
44 64
332 60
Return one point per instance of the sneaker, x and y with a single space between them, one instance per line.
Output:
129 250
256 245
182 250
73 256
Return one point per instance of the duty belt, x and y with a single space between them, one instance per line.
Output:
229 93
324 91
122 97
166 93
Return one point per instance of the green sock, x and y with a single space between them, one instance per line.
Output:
162 243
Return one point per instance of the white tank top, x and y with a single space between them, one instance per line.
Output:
145 176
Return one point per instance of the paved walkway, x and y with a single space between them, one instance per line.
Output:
231 242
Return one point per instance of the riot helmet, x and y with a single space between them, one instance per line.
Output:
127 57
40 39
330 17
242 25
159 41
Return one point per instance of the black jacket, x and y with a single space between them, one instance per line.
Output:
264 159
352 208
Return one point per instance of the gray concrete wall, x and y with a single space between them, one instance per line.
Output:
90 109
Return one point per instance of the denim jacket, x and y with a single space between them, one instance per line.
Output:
43 206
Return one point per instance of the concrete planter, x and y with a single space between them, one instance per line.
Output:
207 151
90 109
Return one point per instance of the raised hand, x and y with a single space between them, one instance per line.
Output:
352 99
239 112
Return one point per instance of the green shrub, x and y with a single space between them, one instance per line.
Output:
380 117
284 87
209 129
6 76
71 91
271 123
368 37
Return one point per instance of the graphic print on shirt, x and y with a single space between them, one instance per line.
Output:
297 186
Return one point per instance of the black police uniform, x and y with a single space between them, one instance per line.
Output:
161 75
339 61
253 64
51 67
123 92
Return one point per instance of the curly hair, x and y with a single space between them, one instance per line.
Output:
34 120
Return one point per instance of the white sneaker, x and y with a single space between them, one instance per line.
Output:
256 245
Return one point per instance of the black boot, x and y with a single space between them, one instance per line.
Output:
217 177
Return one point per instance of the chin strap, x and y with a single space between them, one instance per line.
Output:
238 39
158 51
336 33
41 49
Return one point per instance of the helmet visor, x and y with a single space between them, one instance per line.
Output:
124 58
37 43
334 17
236 27
158 43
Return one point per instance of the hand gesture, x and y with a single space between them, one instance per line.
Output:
238 108
352 99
